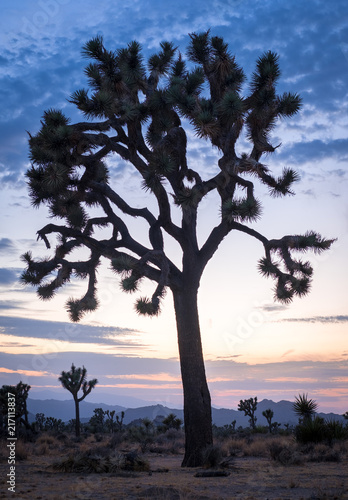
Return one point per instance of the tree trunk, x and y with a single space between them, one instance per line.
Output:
77 418
197 404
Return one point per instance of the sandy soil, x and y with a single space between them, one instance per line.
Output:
249 478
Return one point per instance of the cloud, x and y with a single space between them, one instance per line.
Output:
42 64
8 276
273 307
159 379
318 319
10 304
67 332
316 150
6 245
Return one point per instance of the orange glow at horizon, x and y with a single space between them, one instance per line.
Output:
27 373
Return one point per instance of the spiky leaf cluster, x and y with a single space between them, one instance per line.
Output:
245 209
292 275
77 308
147 307
304 407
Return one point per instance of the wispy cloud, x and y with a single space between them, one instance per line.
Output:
6 245
318 319
8 276
67 332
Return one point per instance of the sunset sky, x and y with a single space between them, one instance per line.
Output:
253 346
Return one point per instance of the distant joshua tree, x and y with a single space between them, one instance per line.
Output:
249 407
304 408
172 422
20 393
73 381
268 414
40 420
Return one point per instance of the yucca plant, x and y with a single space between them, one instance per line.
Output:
304 408
311 431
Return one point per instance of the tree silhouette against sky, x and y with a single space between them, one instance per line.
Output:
74 381
140 112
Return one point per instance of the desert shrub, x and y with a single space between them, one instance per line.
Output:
323 453
94 463
260 429
311 431
62 437
47 439
223 432
284 454
26 435
336 430
258 447
173 434
318 431
46 444
234 446
144 435
212 456
21 450
171 442
116 439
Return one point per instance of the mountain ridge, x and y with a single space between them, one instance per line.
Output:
65 410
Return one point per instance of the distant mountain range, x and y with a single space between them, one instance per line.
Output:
65 410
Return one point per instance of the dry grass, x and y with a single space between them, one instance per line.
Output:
261 466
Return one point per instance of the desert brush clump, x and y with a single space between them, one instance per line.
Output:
22 450
47 444
318 430
94 463
212 456
171 442
285 453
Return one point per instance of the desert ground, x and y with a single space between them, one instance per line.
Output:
256 467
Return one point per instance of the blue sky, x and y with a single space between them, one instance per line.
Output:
252 345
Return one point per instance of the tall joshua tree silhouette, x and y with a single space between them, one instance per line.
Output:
73 381
141 113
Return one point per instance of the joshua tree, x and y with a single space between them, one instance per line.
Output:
141 113
304 408
249 407
73 381
97 420
119 420
40 420
269 414
172 422
20 392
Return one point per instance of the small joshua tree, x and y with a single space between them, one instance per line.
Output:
97 420
268 414
304 408
73 381
20 392
172 422
119 420
40 420
249 407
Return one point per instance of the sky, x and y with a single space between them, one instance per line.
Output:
252 345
